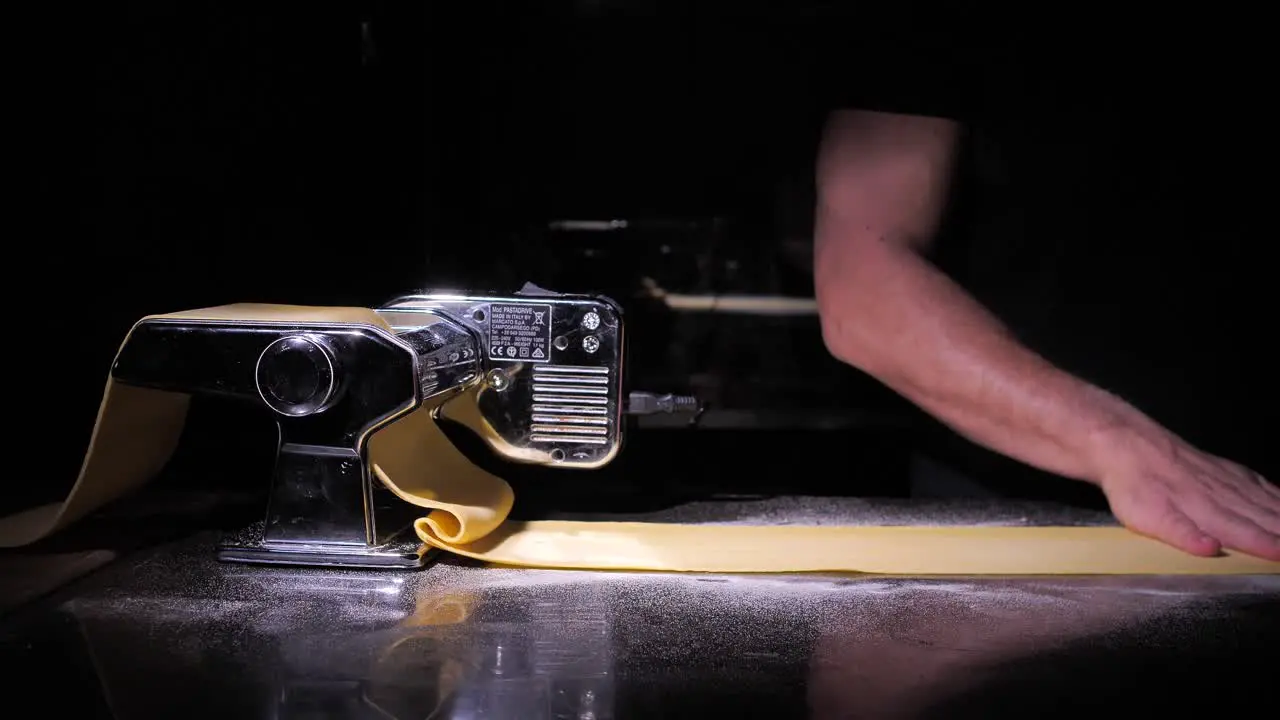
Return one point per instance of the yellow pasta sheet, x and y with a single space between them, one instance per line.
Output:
466 508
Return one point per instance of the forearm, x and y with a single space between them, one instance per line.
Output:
883 183
889 312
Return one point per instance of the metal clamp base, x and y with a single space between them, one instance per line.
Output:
403 552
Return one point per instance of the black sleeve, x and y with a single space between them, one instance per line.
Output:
896 70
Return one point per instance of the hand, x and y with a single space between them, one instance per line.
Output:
1162 487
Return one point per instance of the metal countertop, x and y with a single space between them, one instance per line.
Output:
167 631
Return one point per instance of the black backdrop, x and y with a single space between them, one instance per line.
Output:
200 152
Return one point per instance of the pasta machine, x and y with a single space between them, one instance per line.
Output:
544 371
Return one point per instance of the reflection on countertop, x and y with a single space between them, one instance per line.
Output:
169 632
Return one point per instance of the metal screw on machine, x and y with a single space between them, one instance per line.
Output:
591 343
591 320
498 379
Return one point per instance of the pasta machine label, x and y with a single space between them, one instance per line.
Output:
520 332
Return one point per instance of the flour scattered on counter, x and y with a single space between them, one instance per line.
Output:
827 511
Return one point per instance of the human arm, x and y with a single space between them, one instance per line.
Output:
882 186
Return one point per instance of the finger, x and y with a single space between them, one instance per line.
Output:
1238 532
1172 526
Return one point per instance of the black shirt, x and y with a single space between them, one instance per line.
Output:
1104 208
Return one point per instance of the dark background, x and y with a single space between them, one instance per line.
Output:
201 153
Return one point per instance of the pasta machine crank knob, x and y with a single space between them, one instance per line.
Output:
297 375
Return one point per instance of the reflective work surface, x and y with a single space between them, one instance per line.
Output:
167 632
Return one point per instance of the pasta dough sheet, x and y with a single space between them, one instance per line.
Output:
466 508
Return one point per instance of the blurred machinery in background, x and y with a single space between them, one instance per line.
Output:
717 311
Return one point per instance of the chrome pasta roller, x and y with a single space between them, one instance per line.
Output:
541 371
